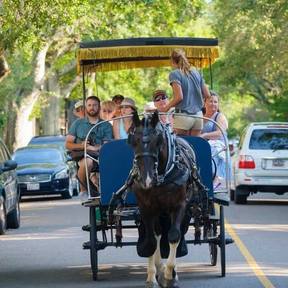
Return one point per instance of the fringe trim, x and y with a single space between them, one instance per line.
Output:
106 57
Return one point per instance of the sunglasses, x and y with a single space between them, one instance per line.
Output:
163 97
125 107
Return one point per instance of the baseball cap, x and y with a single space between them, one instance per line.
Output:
78 104
159 93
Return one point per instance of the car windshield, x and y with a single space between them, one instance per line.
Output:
37 156
48 140
269 139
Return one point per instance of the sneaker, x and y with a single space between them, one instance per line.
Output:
83 196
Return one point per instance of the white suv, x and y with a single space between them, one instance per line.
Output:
261 163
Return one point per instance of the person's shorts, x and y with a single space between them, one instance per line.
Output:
188 122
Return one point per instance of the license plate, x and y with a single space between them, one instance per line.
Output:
278 162
33 186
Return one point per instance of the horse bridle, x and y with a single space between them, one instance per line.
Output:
155 155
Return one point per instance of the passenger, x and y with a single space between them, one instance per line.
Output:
122 126
213 134
160 100
75 140
78 110
149 107
108 109
188 91
117 99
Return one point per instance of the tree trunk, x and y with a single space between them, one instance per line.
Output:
25 127
50 120
4 68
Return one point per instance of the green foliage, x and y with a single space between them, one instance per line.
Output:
255 62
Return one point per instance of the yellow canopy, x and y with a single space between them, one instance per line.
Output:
110 55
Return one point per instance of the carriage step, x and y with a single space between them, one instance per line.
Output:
229 241
99 245
217 241
99 227
92 202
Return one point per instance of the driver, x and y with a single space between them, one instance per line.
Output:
75 139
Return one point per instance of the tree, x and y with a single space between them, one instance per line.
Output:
253 38
39 23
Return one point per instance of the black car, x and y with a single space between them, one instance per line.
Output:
58 141
48 139
43 170
9 192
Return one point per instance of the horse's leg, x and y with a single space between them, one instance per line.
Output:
158 259
151 272
148 244
169 277
154 262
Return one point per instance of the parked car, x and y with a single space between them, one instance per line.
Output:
58 140
9 192
261 163
43 170
48 139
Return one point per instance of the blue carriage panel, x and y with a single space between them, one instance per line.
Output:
116 159
115 163
204 160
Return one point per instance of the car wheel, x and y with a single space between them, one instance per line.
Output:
76 188
232 195
13 218
241 196
68 194
2 216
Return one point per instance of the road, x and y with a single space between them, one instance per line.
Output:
46 251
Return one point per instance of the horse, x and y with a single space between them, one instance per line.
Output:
166 185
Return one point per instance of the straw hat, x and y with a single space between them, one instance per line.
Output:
128 102
149 107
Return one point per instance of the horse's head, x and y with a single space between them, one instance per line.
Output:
146 140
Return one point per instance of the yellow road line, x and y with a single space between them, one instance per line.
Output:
249 258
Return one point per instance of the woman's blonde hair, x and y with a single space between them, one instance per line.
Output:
108 105
178 56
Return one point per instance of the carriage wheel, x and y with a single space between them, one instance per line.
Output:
93 241
222 242
213 246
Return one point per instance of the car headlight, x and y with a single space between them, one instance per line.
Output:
62 174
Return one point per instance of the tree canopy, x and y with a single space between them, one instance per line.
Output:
39 39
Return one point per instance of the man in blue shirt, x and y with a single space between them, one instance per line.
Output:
75 140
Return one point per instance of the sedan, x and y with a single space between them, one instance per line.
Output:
43 171
9 192
57 141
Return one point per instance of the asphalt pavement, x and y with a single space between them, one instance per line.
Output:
47 250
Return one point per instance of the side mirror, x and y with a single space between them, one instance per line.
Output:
8 165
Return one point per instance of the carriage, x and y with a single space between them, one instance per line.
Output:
108 222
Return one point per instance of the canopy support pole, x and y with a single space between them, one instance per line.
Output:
84 88
211 76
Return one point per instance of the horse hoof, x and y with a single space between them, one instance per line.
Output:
167 283
151 285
